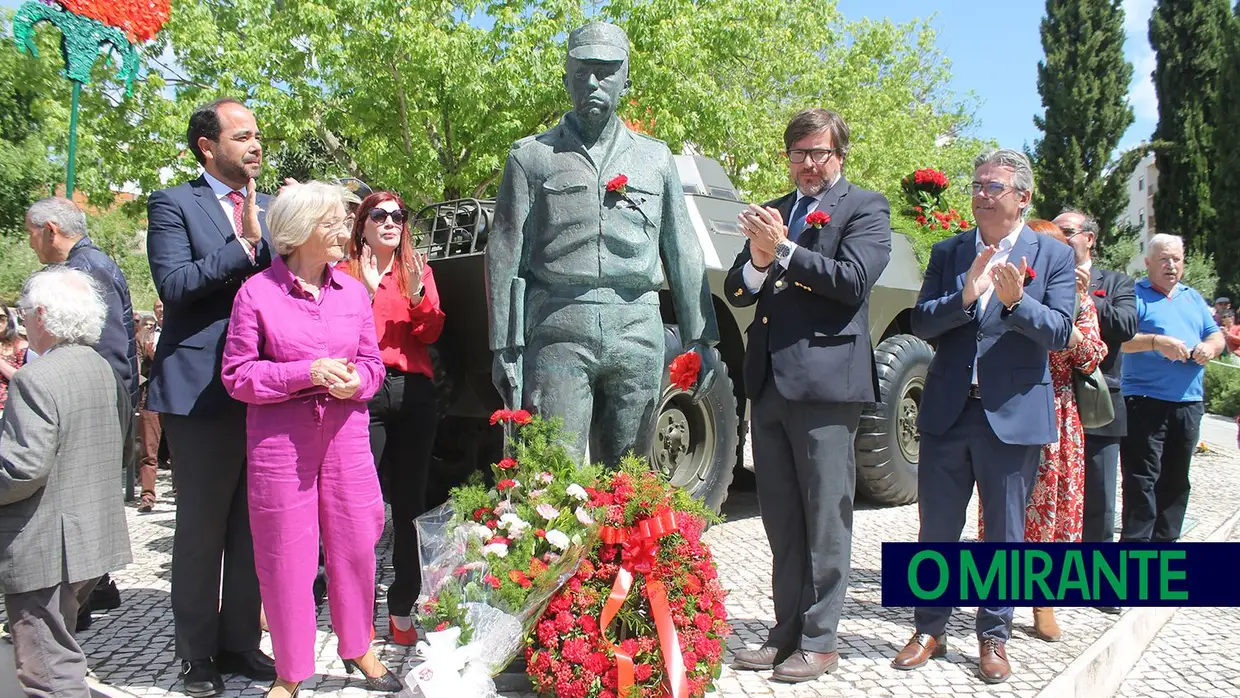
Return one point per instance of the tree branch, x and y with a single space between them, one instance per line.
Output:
403 107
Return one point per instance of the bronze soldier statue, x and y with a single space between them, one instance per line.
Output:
574 269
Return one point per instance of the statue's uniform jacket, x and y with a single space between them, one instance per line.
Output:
592 263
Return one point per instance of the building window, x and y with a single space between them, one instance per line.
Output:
1141 219
1141 247
1141 184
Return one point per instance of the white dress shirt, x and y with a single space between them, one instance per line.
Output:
1001 257
750 275
221 192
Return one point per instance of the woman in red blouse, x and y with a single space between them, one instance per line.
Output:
402 414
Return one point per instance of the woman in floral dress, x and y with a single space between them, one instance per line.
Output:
1057 504
12 352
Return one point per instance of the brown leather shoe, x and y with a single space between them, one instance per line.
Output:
1044 625
761 659
993 665
804 665
920 648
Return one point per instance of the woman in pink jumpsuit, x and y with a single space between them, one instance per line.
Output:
301 352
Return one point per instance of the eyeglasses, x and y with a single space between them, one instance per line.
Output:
398 216
817 155
992 190
335 223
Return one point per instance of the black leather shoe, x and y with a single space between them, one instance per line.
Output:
251 664
200 679
105 596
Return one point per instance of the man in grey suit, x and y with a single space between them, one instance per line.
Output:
62 523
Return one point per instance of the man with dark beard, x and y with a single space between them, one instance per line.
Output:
200 255
812 258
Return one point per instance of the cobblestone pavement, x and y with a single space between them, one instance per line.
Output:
132 648
1193 656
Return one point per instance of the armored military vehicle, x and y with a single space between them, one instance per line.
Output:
698 447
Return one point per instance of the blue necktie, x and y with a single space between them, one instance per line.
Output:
797 223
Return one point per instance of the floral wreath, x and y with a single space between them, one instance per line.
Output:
652 577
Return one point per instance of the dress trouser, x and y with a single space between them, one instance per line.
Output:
402 435
1155 457
326 487
806 478
950 463
212 530
151 433
50 664
1101 465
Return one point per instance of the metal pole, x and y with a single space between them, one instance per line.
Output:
73 119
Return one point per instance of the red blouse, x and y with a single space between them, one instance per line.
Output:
404 331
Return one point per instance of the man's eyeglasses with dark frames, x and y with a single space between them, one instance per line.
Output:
992 190
817 155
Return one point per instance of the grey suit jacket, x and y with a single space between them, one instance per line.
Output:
61 514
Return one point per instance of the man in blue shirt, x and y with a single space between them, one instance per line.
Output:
1162 384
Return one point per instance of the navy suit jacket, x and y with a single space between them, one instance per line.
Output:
117 343
1013 373
812 321
198 264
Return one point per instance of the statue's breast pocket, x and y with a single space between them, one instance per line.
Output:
568 200
633 218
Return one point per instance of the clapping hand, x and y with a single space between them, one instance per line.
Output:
1082 281
250 228
1009 281
764 226
370 270
416 268
978 281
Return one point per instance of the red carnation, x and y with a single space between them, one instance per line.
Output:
1030 275
629 646
618 184
946 225
442 626
684 370
507 464
596 663
492 580
500 416
564 621
1100 293
588 624
521 417
921 220
642 672
818 219
481 513
505 485
540 533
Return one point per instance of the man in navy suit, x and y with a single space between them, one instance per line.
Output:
996 300
199 258
809 369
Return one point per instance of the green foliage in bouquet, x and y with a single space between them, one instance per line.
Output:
510 546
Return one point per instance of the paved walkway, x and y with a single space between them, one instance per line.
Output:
131 649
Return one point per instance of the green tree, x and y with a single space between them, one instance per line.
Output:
1226 236
26 171
1084 86
1188 38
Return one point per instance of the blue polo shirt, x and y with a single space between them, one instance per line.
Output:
1183 315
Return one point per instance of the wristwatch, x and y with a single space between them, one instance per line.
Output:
783 250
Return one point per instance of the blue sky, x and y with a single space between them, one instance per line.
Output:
994 48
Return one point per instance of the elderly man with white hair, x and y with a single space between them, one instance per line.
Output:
303 355
1162 384
62 522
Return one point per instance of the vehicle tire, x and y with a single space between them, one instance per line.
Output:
888 443
694 446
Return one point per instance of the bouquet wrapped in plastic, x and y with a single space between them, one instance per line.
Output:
493 557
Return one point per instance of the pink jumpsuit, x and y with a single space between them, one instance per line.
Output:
310 470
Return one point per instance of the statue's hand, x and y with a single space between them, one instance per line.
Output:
706 374
506 376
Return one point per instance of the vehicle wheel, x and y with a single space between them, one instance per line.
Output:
694 446
888 443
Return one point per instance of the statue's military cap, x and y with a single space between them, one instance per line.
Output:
598 41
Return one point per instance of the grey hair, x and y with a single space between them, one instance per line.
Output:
296 211
1022 170
61 211
1162 240
1089 224
72 303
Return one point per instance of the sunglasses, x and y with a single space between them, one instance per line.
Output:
398 216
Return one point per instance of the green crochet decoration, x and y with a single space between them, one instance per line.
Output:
80 40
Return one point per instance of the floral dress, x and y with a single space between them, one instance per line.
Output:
1057 504
16 359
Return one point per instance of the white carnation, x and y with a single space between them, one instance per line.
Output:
577 491
557 539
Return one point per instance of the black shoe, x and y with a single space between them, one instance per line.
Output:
83 619
320 589
200 679
1112 610
105 596
251 664
387 683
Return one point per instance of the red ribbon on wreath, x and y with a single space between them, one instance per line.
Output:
640 547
